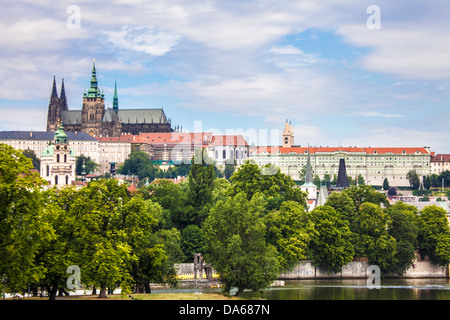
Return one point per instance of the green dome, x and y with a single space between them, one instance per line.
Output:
48 151
60 135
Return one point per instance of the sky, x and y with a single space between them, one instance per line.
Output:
344 73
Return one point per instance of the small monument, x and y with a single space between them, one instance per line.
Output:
342 180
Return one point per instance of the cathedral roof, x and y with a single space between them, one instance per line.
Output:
71 116
110 116
139 116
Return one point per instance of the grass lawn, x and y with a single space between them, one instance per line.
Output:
152 296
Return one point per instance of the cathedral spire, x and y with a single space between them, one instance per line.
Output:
94 91
115 99
62 97
54 91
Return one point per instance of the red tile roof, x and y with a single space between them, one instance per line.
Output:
313 150
441 158
228 140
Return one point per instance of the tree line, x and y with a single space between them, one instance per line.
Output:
249 227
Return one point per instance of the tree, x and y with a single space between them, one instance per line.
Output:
90 165
343 204
372 238
235 244
35 160
362 194
434 235
201 182
413 179
230 166
386 184
268 180
108 233
404 230
140 164
25 222
330 245
361 180
191 242
289 231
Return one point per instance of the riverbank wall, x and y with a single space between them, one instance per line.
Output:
359 269
353 270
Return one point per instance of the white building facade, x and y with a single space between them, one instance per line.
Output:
58 161
373 164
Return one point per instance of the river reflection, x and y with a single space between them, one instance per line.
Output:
390 289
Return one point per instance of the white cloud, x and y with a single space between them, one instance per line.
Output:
377 114
142 39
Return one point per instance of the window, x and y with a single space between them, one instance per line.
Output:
224 154
48 170
57 158
65 158
56 180
67 179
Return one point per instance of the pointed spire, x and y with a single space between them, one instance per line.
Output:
308 173
63 98
54 91
94 91
115 98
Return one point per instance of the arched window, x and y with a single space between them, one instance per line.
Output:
48 170
56 180
65 158
67 179
224 155
57 158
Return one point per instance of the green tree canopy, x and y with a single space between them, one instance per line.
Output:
404 230
289 231
268 180
434 235
90 165
139 164
236 246
330 245
372 238
25 223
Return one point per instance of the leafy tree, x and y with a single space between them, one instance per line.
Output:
330 245
90 165
404 230
140 164
289 231
361 180
373 239
434 235
230 166
35 160
111 232
201 181
268 180
235 244
343 204
25 222
386 185
362 194
191 242
413 179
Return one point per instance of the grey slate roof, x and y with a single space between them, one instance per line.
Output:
43 135
135 116
126 116
71 116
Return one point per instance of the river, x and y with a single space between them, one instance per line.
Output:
348 289
389 289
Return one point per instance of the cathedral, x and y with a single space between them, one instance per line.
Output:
99 121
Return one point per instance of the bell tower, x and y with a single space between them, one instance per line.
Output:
93 107
288 135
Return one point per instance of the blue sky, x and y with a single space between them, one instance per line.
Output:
240 66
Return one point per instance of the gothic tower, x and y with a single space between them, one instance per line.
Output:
288 135
93 107
115 99
54 109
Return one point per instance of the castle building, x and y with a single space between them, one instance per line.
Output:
97 120
58 161
374 164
